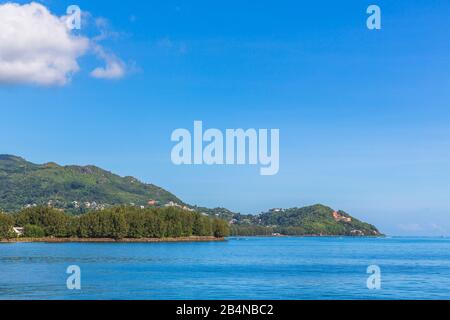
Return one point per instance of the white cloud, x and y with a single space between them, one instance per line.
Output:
114 68
105 30
36 47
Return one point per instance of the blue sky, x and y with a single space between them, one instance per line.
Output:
363 115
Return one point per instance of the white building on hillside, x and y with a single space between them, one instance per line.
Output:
18 231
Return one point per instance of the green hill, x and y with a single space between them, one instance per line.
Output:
312 220
74 188
78 189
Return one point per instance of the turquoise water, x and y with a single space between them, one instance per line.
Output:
240 268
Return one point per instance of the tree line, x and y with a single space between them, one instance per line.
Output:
257 230
117 223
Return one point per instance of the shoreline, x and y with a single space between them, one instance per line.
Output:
111 240
310 236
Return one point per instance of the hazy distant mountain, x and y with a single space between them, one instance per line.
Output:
75 188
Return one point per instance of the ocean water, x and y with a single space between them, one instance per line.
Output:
240 268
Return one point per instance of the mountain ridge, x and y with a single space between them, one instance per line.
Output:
23 183
79 189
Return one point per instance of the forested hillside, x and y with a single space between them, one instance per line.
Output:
73 188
